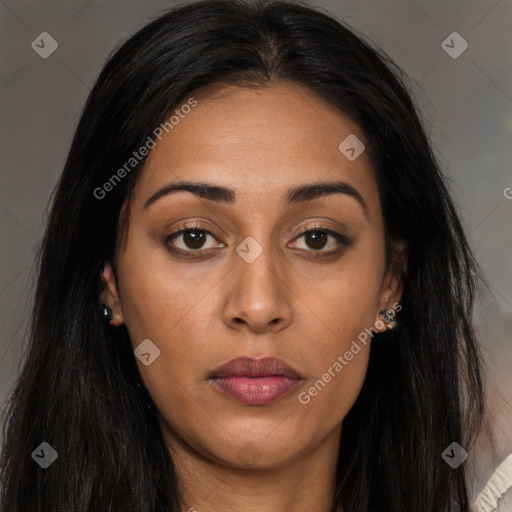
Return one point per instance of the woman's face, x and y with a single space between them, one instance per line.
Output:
257 287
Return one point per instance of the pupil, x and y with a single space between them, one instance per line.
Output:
193 239
317 239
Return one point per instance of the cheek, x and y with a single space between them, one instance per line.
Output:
338 360
345 303
344 315
160 307
330 395
158 300
173 309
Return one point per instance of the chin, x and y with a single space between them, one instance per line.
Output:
256 450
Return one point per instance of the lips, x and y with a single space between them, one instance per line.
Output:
255 381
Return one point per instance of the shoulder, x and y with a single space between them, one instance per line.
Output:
496 496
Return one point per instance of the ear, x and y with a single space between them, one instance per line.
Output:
110 296
392 284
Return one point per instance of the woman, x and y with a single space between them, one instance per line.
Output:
283 284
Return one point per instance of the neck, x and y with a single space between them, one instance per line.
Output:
307 482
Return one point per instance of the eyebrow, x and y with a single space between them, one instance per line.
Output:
300 193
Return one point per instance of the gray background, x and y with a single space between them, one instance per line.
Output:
466 103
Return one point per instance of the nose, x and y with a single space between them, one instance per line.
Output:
258 298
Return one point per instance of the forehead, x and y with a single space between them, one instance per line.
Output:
253 140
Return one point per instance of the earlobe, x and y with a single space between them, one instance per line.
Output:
109 297
392 287
387 316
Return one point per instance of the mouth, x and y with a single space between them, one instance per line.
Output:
255 381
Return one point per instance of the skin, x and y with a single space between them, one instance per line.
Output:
203 312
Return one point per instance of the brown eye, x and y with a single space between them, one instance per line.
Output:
316 239
194 239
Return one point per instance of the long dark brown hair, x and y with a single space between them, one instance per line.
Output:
80 390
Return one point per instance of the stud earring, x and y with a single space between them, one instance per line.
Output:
388 316
105 313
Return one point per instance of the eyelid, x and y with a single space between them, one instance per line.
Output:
343 240
193 226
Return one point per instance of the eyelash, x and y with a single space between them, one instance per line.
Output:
343 240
